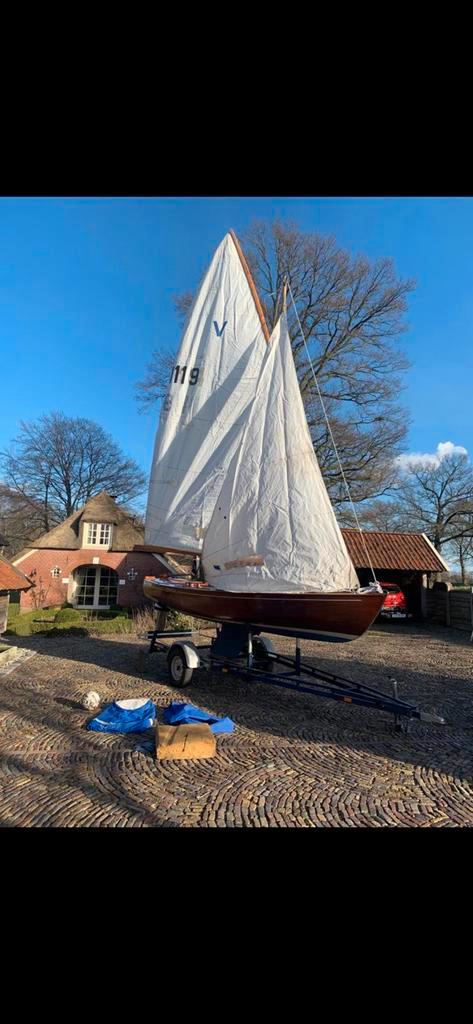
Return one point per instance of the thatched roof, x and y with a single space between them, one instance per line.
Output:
99 509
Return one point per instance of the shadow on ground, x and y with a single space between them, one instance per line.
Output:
269 713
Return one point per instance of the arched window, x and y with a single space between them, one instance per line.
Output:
97 586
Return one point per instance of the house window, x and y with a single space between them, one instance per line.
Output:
56 572
96 586
97 535
91 533
104 533
86 586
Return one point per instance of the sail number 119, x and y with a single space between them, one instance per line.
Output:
180 371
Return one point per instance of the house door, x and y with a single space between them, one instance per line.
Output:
96 587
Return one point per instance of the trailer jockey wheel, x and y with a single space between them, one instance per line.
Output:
260 654
179 673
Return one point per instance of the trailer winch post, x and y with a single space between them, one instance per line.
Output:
298 657
249 656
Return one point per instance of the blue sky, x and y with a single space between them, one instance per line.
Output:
86 287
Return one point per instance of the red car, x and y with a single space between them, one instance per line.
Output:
395 604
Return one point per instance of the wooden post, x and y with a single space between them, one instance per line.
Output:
249 278
4 599
423 595
447 607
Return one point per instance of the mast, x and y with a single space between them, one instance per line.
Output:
251 283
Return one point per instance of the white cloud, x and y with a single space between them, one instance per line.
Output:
448 448
434 459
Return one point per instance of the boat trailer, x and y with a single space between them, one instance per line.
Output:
239 649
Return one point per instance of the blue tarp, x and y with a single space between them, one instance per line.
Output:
187 714
114 718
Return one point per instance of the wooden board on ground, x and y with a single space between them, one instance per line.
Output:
185 742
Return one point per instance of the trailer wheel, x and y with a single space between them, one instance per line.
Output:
179 673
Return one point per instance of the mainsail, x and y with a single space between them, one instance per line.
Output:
273 527
204 413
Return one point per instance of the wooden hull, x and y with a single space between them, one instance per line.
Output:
334 617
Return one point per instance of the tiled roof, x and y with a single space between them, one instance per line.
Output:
407 551
11 578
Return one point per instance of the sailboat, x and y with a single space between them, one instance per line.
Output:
235 481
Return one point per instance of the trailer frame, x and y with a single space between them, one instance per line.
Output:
299 676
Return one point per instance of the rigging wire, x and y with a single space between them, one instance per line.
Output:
331 434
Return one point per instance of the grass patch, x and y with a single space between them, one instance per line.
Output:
68 615
70 622
93 622
120 624
29 622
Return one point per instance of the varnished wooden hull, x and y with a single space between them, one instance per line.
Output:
334 617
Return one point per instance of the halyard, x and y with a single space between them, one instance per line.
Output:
293 760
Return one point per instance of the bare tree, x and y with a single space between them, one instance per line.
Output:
57 463
461 549
434 497
21 520
155 382
352 314
40 592
380 515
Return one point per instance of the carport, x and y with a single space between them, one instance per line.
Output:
408 559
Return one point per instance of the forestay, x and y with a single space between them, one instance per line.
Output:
273 527
204 413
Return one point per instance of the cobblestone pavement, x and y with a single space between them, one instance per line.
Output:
293 760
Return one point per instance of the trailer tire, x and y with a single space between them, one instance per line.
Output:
179 672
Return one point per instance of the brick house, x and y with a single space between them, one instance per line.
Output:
89 560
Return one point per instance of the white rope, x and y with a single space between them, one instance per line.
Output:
331 435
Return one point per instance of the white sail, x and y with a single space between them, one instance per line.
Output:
204 413
273 526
